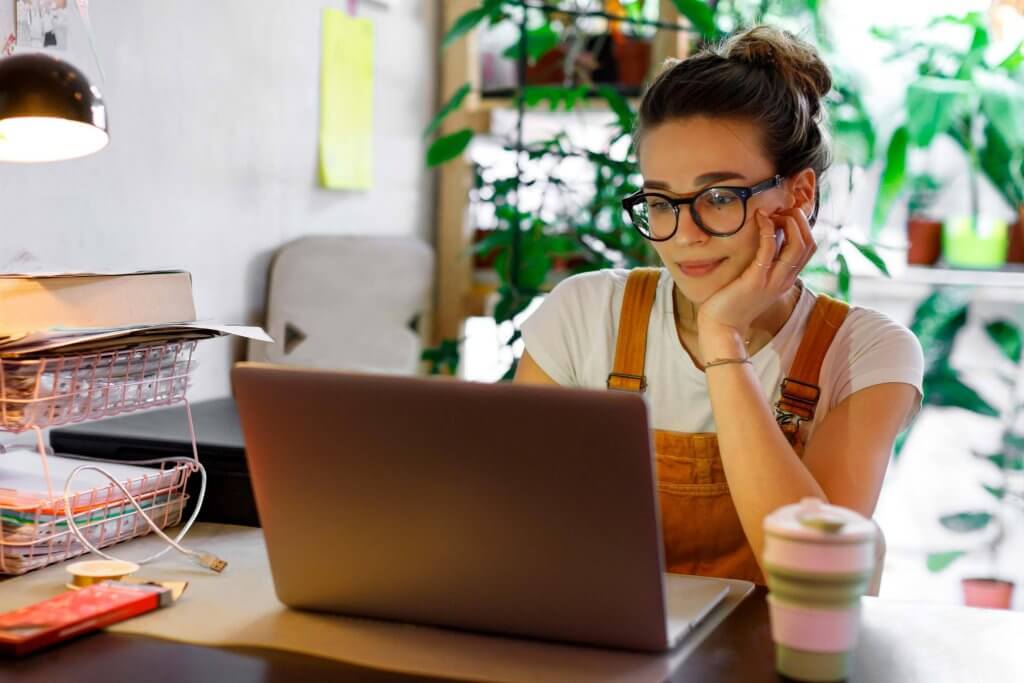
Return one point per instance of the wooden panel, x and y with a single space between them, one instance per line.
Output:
667 44
454 262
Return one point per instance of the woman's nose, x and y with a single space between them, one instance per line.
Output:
688 232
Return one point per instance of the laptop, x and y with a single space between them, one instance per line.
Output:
508 509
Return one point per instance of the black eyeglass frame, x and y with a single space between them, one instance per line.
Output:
744 193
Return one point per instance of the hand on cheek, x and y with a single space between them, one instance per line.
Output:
785 246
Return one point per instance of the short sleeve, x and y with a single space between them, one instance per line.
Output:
554 334
875 349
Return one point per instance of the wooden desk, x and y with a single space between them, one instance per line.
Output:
904 644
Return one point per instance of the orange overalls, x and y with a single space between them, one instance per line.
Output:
701 530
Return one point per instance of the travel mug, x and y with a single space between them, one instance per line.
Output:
819 560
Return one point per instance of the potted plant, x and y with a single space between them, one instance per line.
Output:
924 233
979 105
563 225
991 589
937 322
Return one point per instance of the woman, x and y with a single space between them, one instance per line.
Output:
761 393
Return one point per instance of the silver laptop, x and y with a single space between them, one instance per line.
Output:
519 510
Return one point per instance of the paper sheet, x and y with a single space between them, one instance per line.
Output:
346 102
23 483
89 339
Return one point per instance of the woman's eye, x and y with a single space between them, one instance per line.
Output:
720 199
658 205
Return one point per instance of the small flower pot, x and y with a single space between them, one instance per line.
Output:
925 238
633 57
1015 248
992 593
966 245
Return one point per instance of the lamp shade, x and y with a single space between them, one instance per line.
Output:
48 110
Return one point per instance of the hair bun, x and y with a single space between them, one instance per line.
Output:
795 61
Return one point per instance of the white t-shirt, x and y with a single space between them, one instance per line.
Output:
572 338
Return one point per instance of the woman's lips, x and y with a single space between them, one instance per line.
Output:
699 268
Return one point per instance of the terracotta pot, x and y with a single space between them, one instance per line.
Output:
548 70
634 60
925 237
483 260
994 593
1015 247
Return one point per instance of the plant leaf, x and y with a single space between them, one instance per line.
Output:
871 255
620 106
443 356
510 304
843 278
464 24
944 388
448 147
930 106
893 178
1013 60
997 493
939 561
539 41
1002 462
1002 100
700 15
966 522
1001 165
1007 337
937 321
451 105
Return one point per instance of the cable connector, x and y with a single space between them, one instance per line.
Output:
211 561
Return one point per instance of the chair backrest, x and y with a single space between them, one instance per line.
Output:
347 303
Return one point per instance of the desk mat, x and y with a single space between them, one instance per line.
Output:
239 608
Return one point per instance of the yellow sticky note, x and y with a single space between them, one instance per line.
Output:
346 102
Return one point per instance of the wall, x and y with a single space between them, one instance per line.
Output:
213 112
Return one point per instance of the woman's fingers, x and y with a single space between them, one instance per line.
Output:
764 260
800 246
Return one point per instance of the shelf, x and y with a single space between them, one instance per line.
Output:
916 282
1011 276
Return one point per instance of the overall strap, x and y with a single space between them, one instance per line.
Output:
800 390
631 342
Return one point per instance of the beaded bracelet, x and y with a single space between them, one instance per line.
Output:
725 361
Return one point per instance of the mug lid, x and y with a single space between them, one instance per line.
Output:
815 520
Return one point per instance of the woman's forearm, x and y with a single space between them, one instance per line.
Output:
763 470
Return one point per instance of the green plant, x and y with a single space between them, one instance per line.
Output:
584 227
937 322
922 195
956 93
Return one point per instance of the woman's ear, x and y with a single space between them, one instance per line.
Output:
803 189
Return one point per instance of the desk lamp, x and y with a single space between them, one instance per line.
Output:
48 110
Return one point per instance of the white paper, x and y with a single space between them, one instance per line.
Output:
67 339
22 477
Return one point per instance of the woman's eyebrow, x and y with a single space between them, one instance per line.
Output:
716 176
699 181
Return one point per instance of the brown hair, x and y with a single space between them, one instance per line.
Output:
762 74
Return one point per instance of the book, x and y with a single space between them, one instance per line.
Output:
30 303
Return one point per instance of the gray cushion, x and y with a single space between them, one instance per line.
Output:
347 303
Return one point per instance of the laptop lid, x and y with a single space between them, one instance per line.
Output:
504 508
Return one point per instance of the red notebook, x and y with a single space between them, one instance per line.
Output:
76 613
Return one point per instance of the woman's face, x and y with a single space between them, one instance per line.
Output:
681 157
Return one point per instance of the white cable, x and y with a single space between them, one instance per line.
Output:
206 559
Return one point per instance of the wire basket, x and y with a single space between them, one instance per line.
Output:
34 533
57 390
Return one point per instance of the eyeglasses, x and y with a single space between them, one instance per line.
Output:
718 211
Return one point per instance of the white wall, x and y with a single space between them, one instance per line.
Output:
213 111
